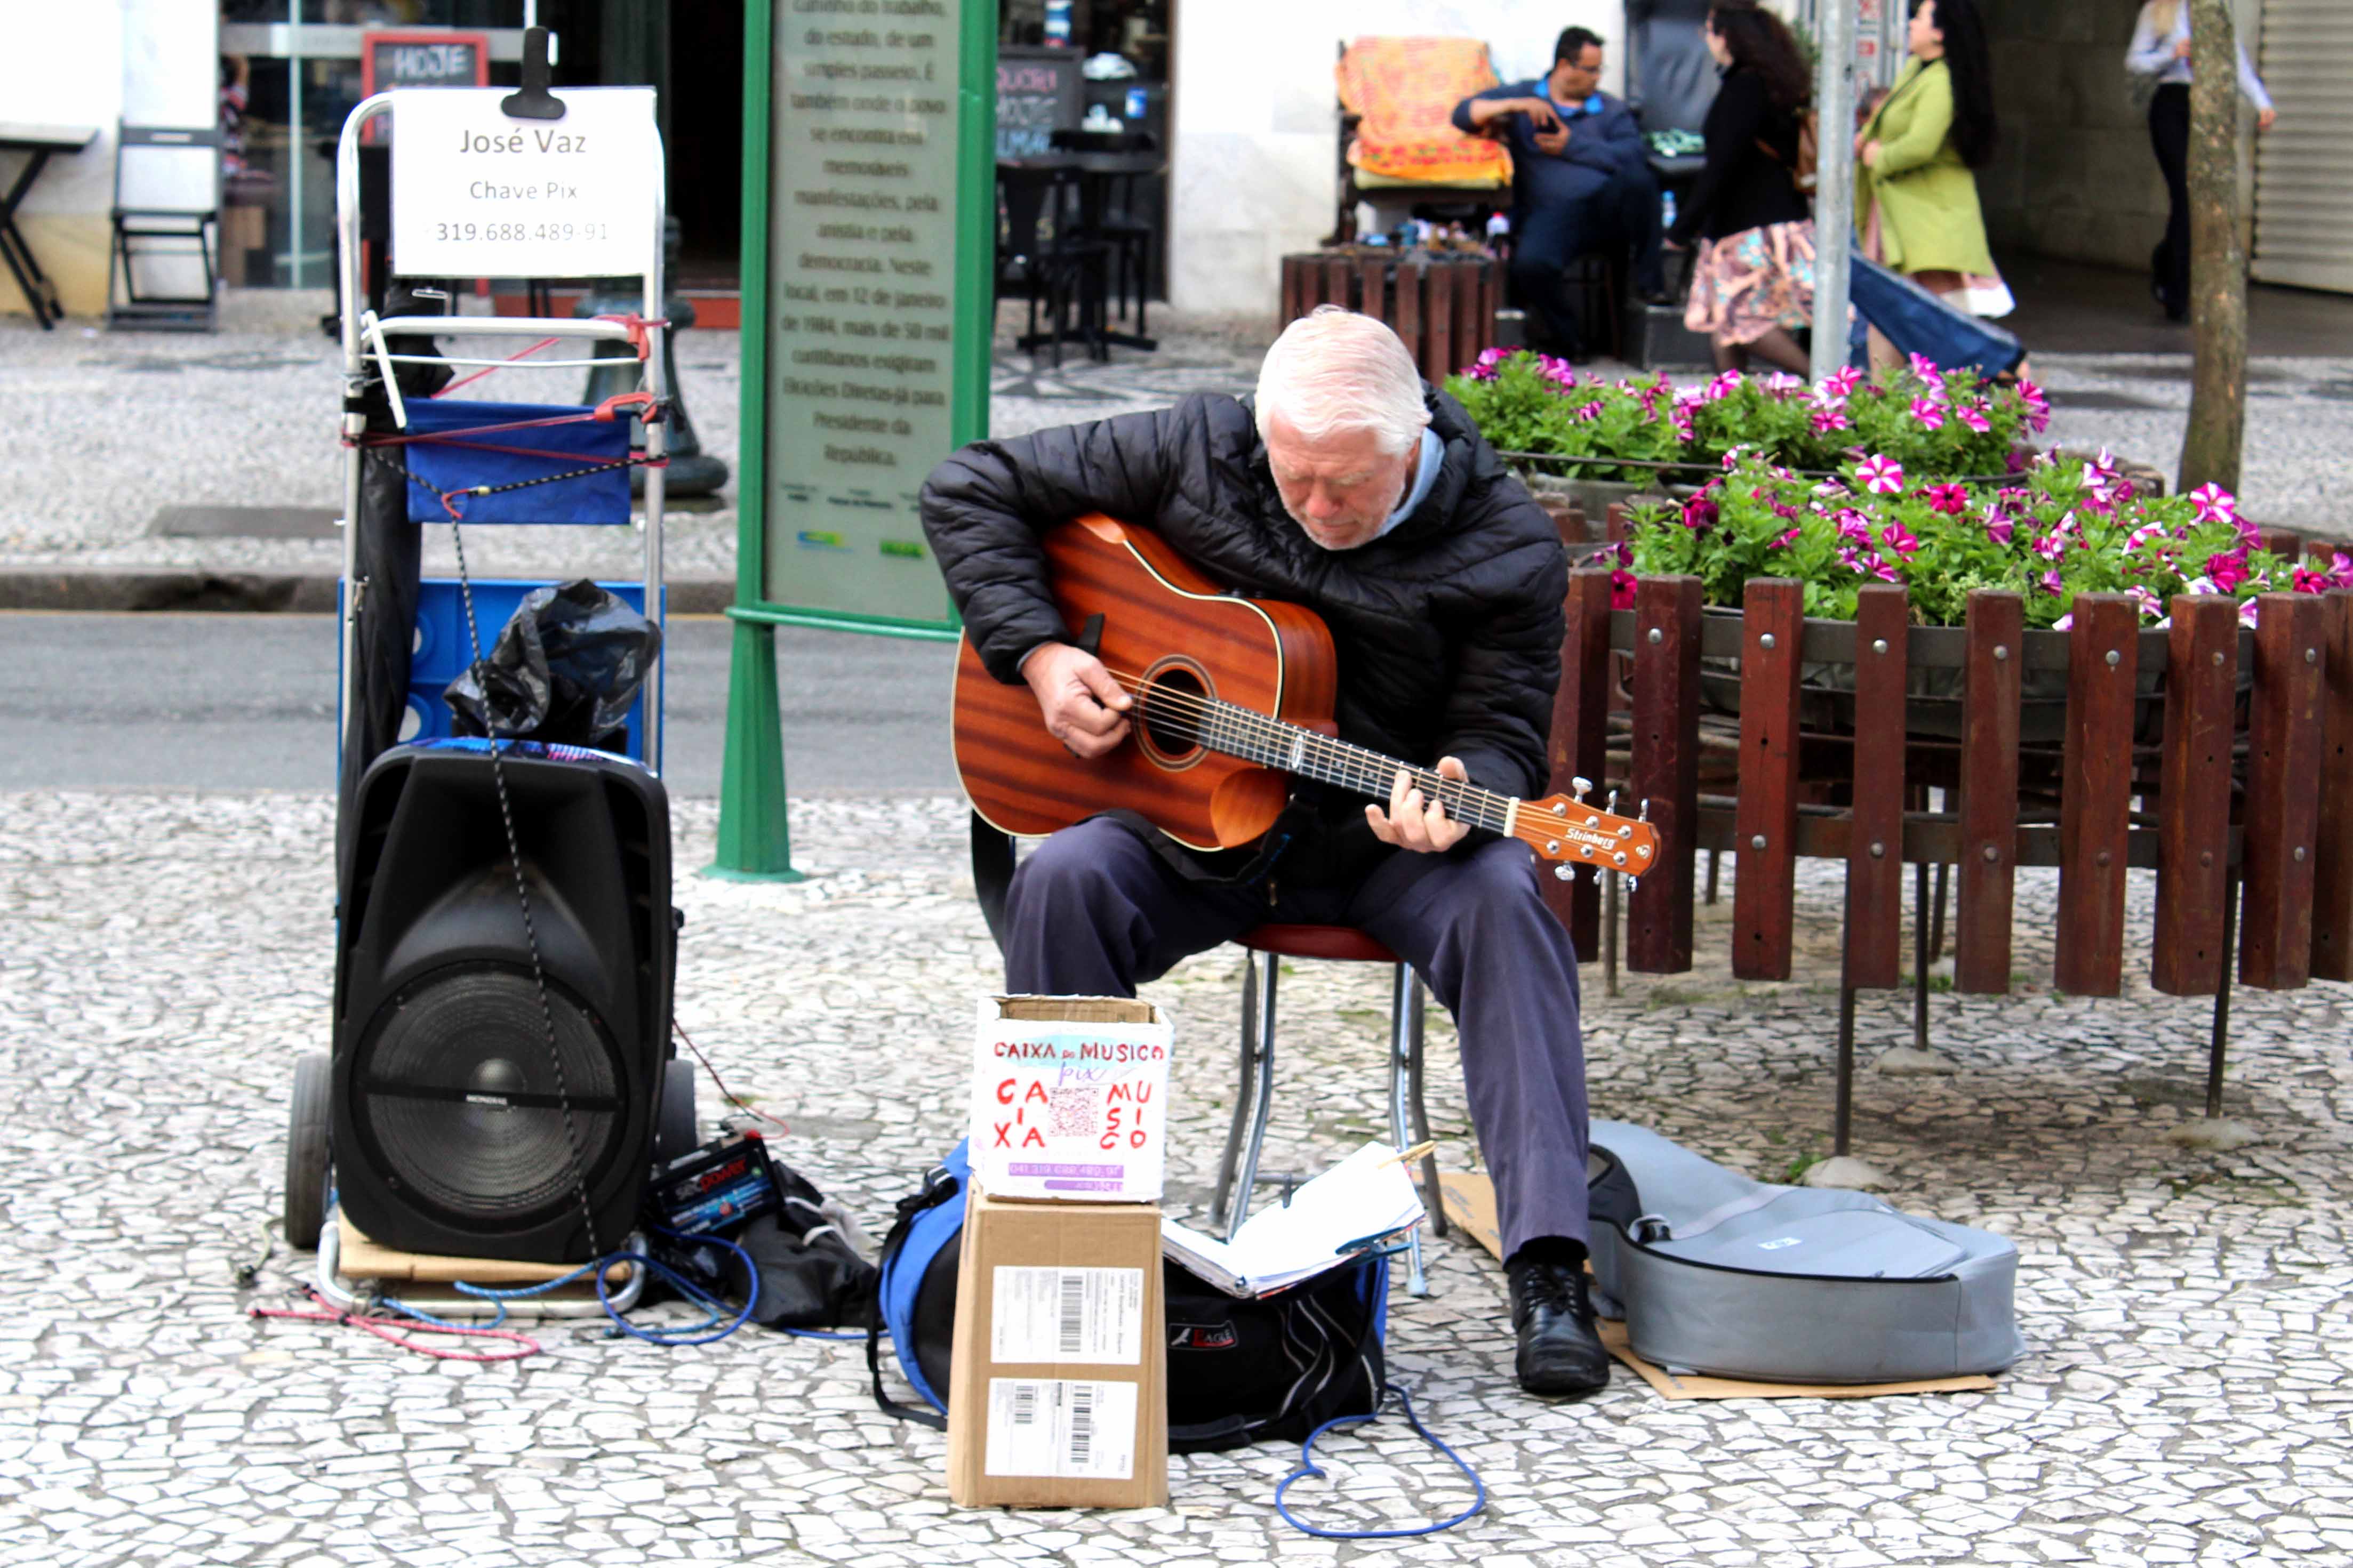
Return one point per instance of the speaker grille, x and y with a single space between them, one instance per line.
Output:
456 1101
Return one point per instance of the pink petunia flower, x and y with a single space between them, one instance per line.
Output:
2053 583
1952 499
2228 571
2247 611
1841 382
1895 537
1787 538
1827 420
2308 581
1699 513
1927 370
1781 384
1929 414
2038 406
1999 529
2151 606
2214 504
1882 475
1622 589
2065 622
1968 414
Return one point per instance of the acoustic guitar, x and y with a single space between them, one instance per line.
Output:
1231 695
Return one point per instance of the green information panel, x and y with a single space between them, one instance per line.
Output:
871 312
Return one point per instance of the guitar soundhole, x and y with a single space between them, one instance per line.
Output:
1175 693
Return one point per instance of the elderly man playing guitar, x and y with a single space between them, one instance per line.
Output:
1356 490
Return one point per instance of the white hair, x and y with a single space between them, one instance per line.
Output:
1332 369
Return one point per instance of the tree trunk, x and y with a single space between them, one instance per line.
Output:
2217 262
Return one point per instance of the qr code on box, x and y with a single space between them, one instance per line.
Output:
1073 1112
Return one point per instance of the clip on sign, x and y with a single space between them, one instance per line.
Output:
1069 1098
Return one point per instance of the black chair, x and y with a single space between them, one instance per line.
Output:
167 199
1039 255
1133 239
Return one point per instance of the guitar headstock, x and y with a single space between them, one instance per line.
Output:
1569 831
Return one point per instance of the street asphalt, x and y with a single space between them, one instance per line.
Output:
235 702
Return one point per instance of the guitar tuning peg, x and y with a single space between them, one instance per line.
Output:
1610 806
1563 872
1581 788
1644 815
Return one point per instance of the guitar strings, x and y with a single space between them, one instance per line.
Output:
1335 760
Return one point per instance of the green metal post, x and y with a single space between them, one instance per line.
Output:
755 840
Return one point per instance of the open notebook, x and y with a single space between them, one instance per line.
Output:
1364 1201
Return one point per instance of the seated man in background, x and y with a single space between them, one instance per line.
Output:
1581 183
1352 487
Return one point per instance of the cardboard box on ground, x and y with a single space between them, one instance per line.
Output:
1059 1392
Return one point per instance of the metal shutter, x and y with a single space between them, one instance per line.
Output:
2303 164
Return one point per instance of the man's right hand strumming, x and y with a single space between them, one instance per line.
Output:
1083 707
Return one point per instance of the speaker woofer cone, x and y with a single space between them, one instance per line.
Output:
458 1103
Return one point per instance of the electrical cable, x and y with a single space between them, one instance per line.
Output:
1308 1466
725 1092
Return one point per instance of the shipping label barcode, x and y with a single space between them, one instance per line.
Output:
1087 1317
1083 1426
1063 1427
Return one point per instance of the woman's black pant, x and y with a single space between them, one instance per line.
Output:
2169 132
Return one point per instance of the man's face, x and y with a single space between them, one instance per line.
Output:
1339 490
1580 78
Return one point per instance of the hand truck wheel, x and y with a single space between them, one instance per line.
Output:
306 1151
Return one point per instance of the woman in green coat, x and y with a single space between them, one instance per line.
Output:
1915 188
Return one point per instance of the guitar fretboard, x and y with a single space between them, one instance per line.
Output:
1244 732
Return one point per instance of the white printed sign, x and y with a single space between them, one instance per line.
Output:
1062 1426
476 194
1069 1109
1088 1316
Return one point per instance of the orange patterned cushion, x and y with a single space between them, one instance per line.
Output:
1405 89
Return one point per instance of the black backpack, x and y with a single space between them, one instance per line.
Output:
1239 1371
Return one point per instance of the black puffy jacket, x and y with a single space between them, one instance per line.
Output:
1448 628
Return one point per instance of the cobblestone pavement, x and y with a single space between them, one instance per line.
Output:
2185 1398
114 427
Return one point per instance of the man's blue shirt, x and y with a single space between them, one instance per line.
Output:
1602 142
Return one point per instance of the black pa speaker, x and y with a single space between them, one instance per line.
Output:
449 1117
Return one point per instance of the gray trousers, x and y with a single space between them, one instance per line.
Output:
1093 911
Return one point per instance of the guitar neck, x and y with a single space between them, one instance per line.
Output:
1254 737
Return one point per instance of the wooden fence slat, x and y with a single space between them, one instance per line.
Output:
2332 874
2193 847
1291 291
1408 320
1988 763
1580 740
2284 762
1372 279
1335 281
1615 520
1765 874
2095 793
1471 332
2284 542
1874 955
1665 770
1438 322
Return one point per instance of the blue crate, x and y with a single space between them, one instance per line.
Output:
441 649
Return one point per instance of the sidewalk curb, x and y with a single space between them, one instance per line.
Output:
133 588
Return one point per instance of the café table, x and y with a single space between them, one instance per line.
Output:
38 142
1097 173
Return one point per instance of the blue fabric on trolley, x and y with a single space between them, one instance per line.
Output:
1918 322
454 457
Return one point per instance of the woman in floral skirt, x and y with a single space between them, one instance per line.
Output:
1753 284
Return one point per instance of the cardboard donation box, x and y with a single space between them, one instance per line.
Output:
1059 1394
1069 1098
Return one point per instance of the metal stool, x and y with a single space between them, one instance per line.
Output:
1271 944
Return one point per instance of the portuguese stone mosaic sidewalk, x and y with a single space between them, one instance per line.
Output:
2185 1398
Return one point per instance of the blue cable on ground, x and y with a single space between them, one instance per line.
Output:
703 1333
1308 1466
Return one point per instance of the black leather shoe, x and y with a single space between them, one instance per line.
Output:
1559 1353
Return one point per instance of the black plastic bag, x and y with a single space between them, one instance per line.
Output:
565 670
810 1277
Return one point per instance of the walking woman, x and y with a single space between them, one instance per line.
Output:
1753 283
1916 186
2160 48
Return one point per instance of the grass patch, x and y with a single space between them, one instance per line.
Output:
2230 1189
1939 984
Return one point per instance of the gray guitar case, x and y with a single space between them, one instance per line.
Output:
1734 1278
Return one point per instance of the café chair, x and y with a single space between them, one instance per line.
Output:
166 213
1040 257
